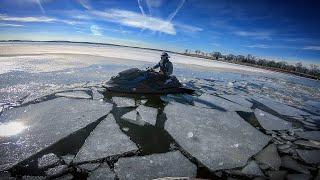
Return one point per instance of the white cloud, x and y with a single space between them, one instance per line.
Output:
315 48
96 30
262 46
254 34
34 19
188 28
10 25
137 20
4 17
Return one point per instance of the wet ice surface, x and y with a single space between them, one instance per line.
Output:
171 164
223 112
219 140
106 140
45 123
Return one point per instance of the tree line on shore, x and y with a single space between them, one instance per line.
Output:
312 71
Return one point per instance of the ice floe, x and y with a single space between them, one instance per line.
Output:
106 140
215 102
309 156
270 157
282 108
221 140
171 164
148 114
312 135
271 122
102 173
74 94
46 123
124 102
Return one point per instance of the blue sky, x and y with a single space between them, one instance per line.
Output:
278 29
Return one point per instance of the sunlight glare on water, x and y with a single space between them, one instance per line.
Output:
11 128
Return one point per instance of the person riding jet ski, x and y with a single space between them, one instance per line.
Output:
166 67
136 81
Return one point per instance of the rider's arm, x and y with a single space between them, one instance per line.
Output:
156 66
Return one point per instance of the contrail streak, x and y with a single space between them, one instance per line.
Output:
40 6
173 14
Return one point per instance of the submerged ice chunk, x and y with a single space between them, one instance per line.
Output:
47 122
148 114
215 102
221 140
171 164
271 122
124 101
74 94
106 140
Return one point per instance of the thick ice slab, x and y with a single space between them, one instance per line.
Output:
215 102
45 123
124 101
102 173
74 94
282 108
312 135
309 156
171 164
106 140
270 157
148 114
238 99
252 169
289 163
220 140
271 122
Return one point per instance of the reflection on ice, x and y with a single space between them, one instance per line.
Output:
11 128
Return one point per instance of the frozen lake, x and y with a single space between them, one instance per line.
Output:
238 118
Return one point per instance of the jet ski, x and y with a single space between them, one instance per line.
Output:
136 81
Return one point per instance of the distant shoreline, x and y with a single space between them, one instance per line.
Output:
185 54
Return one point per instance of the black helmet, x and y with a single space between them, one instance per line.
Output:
164 54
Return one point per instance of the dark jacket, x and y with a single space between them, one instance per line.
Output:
165 66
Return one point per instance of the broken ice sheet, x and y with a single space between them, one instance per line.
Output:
74 94
309 156
105 140
271 122
171 164
124 101
132 117
215 102
252 169
288 162
47 122
148 114
269 156
282 108
96 94
48 160
102 173
239 99
221 140
312 135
